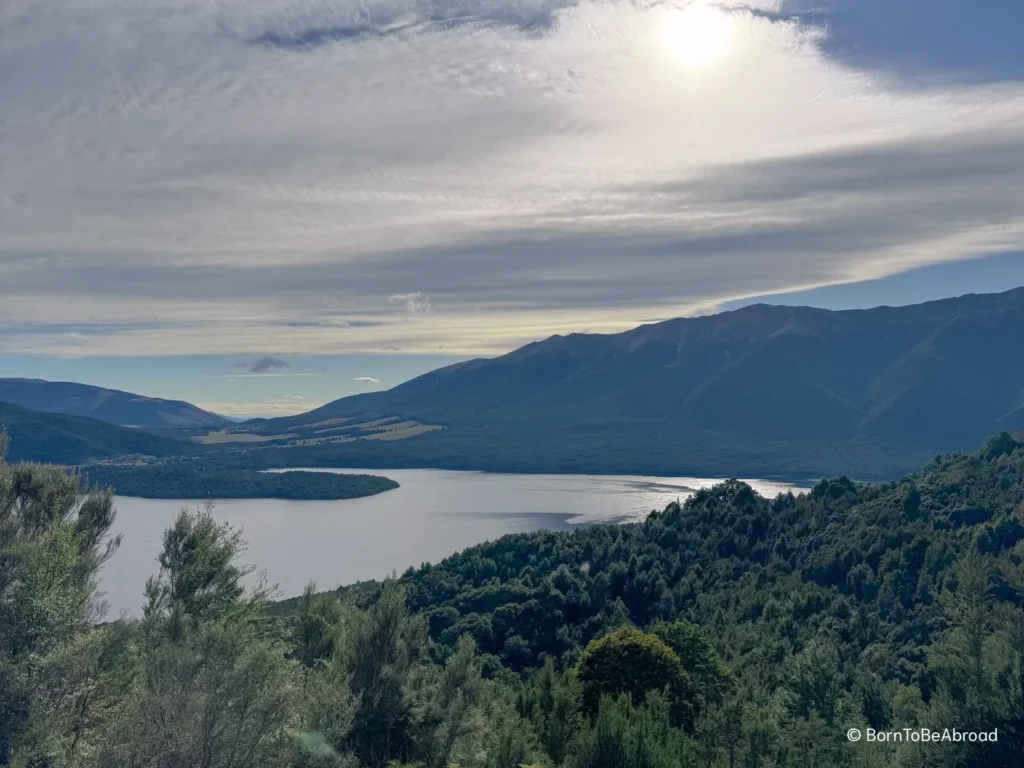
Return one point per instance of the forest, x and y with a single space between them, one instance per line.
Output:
182 479
730 630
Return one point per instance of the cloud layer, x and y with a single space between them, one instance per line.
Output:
415 175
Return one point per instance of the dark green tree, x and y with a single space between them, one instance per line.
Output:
316 626
380 651
625 736
551 703
628 661
711 679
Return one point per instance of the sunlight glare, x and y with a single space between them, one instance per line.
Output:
698 35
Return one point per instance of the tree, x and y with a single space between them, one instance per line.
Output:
712 679
315 626
445 716
199 572
979 666
628 661
551 702
512 744
625 736
380 650
54 537
213 688
213 694
813 682
325 716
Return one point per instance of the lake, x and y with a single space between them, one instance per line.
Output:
434 513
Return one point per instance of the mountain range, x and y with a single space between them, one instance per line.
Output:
110 405
763 390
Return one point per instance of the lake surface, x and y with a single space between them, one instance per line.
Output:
434 513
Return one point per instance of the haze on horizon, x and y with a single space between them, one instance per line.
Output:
404 183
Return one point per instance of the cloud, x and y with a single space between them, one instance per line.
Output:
234 376
263 364
266 174
367 380
415 303
312 25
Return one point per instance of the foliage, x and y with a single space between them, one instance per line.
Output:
729 631
552 704
628 661
198 572
55 677
185 480
845 606
315 626
711 680
213 693
626 736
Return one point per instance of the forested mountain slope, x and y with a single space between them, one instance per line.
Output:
764 389
111 405
865 561
59 439
773 625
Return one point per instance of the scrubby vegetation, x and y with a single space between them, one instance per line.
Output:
728 631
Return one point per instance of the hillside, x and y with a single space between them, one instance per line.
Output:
885 606
111 405
880 552
764 390
59 439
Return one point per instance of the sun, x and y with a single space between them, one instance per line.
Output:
698 35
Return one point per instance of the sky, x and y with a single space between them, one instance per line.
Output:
261 205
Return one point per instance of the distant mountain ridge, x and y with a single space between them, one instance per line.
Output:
56 438
110 405
767 389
